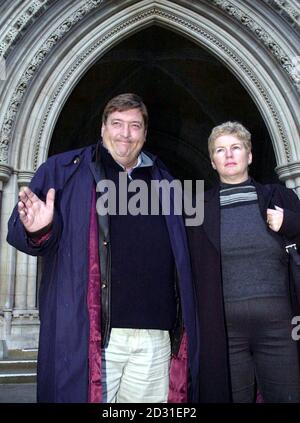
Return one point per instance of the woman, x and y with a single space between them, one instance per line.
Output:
241 273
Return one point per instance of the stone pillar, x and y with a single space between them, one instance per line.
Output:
26 267
32 283
5 172
19 323
7 258
20 300
290 174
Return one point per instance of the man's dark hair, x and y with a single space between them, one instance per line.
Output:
124 102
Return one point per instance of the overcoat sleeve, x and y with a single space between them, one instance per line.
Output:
290 227
42 181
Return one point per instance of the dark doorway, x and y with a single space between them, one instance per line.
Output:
187 91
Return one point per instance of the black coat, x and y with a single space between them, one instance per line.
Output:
205 252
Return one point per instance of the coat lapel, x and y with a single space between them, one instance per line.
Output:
264 195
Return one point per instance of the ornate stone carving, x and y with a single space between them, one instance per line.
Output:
296 71
4 152
21 23
289 12
36 61
272 46
25 315
171 17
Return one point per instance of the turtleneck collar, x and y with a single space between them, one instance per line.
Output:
241 184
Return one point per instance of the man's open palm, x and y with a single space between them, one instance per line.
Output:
34 213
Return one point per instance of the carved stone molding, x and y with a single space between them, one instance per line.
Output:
286 63
22 23
24 177
179 21
5 172
288 11
25 315
31 69
288 171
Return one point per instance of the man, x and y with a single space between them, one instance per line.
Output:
110 297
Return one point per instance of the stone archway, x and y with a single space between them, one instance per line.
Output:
49 46
187 91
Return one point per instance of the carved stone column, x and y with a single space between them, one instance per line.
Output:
290 174
20 320
5 172
5 263
26 266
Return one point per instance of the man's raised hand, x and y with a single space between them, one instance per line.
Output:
34 213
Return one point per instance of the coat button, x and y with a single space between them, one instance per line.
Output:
105 243
104 285
76 160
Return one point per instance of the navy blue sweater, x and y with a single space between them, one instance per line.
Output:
143 269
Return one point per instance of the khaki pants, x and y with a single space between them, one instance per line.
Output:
135 366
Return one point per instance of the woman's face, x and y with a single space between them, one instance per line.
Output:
231 159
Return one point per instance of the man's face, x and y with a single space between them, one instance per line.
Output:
124 135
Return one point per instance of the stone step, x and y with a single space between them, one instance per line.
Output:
11 365
26 353
15 378
17 371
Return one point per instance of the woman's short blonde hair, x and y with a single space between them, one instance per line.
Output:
235 129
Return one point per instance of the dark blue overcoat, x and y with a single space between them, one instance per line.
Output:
64 330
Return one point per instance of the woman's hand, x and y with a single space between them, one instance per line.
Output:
275 218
